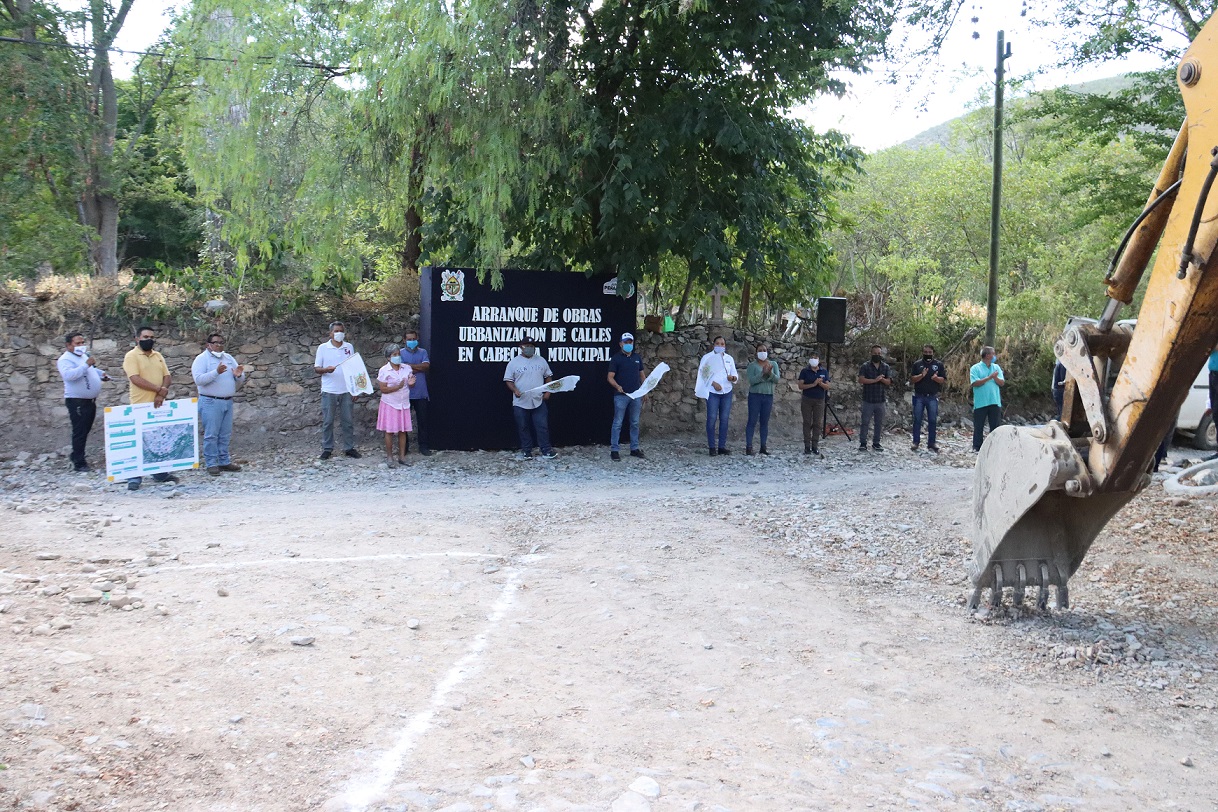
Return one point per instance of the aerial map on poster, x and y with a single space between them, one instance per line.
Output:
143 440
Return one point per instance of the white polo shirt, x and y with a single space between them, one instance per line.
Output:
330 356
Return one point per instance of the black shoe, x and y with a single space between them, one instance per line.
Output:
764 451
748 452
863 447
807 449
171 478
638 452
326 454
353 453
549 455
714 451
933 449
133 485
81 467
723 451
877 447
914 448
426 452
816 452
613 455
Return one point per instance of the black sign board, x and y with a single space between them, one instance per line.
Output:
471 331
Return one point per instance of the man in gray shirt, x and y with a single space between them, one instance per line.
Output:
218 376
82 381
526 371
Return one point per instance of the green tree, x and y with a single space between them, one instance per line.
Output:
582 135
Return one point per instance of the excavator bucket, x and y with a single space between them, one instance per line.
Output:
1034 513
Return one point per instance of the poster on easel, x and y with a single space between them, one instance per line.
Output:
142 440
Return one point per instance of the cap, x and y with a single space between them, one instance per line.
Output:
627 336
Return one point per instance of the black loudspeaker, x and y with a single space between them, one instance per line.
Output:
830 320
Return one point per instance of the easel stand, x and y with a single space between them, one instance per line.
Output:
839 428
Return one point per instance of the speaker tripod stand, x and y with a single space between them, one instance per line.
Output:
824 427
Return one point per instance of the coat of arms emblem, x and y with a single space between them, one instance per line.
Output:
452 286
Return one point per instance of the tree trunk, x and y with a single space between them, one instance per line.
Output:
744 303
412 251
689 285
99 207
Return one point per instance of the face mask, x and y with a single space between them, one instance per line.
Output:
80 351
627 348
412 345
215 354
721 350
927 356
527 352
875 359
814 362
761 356
395 361
339 336
146 344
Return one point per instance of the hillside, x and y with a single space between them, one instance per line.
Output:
940 134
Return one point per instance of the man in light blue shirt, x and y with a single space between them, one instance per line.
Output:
420 364
218 376
986 378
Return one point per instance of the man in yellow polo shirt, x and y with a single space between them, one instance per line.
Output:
148 382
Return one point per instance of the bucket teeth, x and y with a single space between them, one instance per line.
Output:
997 582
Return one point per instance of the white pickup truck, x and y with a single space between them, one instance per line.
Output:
1196 420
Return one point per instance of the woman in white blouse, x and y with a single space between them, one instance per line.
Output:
716 374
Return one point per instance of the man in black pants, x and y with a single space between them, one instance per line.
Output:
417 359
82 382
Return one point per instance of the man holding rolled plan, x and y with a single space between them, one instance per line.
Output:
334 395
625 376
526 371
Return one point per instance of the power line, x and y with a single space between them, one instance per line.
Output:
334 70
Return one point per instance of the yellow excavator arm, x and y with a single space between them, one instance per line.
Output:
1041 495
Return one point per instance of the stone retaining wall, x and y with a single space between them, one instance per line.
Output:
282 391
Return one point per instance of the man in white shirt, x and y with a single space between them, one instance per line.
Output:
526 371
218 376
334 395
82 382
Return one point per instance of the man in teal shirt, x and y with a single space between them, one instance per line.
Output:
986 379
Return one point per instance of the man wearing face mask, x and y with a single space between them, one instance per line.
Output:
218 377
762 374
526 371
148 378
986 378
334 395
82 382
927 379
419 362
625 376
814 384
876 377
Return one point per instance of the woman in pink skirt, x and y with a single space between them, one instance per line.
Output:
395 380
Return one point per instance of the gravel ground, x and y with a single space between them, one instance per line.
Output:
475 632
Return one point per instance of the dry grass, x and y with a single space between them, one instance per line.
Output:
59 302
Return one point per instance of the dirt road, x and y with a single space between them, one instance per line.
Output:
679 633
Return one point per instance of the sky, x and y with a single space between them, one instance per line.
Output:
874 114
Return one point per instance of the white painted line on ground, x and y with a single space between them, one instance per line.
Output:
222 565
265 562
368 789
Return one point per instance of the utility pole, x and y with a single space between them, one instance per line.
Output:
991 307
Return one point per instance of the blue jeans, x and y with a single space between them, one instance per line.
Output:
621 405
533 424
217 417
718 407
760 407
343 404
931 406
